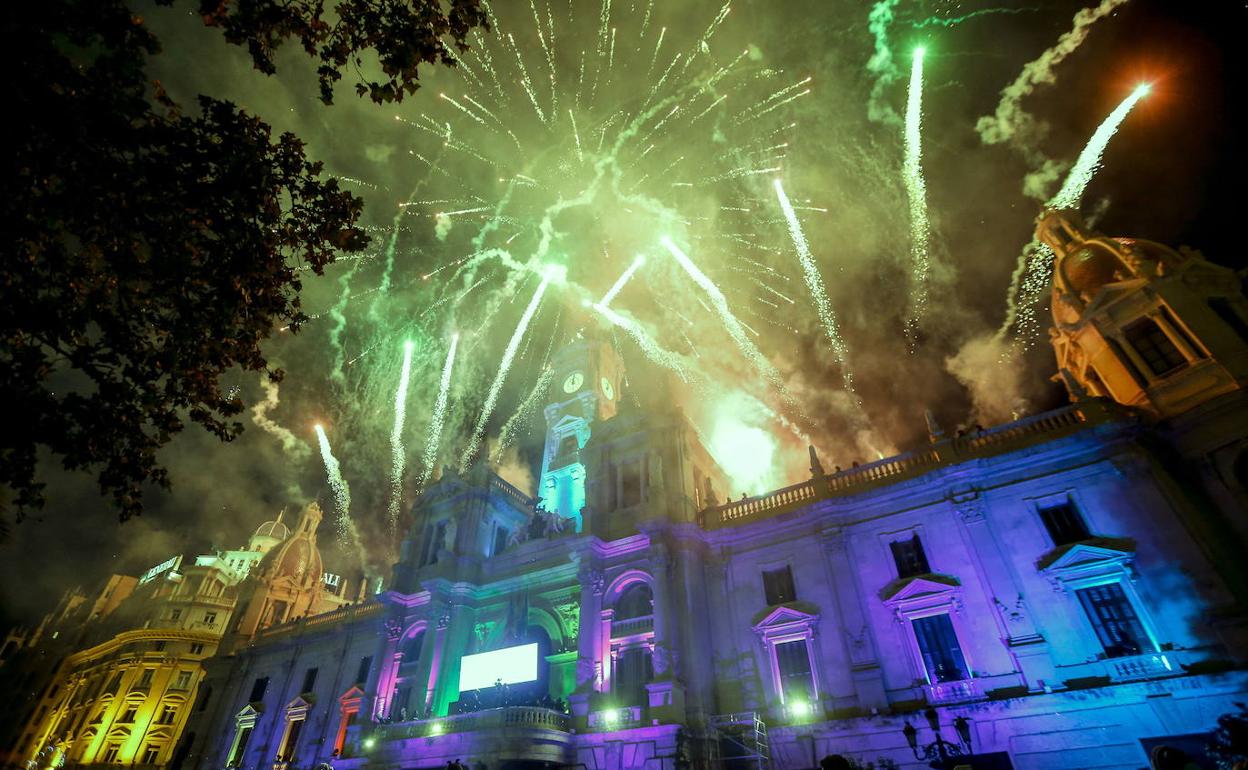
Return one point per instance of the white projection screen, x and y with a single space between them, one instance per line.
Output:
513 665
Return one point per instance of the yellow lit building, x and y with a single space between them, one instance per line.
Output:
122 670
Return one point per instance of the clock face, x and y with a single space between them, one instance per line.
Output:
607 390
574 382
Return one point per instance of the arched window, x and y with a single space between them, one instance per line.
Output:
412 646
636 601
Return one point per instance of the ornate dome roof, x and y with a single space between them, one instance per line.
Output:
275 529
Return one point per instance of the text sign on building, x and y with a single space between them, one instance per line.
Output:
171 563
511 665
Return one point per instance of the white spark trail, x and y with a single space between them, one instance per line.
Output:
814 282
398 453
509 355
438 419
916 191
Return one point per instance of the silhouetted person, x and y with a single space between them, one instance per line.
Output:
834 762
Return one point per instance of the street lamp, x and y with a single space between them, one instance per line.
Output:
939 751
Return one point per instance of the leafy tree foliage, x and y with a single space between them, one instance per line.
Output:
401 34
149 250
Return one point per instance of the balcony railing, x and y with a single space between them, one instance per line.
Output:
1147 666
953 692
998 440
632 626
532 717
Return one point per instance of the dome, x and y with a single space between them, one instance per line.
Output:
273 529
1090 266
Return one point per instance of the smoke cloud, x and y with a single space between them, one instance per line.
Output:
1010 124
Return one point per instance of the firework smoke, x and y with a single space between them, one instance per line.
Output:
1011 124
291 445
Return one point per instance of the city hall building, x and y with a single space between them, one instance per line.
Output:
1064 591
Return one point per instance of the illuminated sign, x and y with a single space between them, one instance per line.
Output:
171 563
512 665
331 579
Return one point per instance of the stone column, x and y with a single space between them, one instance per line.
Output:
388 667
865 669
588 640
664 620
1026 646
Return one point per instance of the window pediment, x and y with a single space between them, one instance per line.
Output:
920 590
351 697
1089 558
792 616
249 714
300 705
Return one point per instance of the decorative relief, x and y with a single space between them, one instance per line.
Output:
394 627
570 618
971 511
444 619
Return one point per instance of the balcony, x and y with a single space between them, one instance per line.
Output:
530 717
953 692
1148 666
632 626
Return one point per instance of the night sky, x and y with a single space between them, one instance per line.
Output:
1172 174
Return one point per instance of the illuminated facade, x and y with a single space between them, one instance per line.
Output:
1065 590
114 679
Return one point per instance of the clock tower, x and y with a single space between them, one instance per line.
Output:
589 376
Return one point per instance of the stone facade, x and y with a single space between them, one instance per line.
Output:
1062 591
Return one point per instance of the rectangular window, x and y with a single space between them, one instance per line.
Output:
197 649
210 618
292 740
127 716
1117 626
909 556
110 752
149 755
1226 311
361 674
145 679
1064 523
167 715
240 746
258 689
778 585
630 485
1158 350
183 681
175 614
500 539
942 655
793 662
309 680
160 646
633 669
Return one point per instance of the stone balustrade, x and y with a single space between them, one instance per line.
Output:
1004 438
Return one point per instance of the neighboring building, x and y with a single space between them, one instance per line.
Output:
1066 590
112 680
